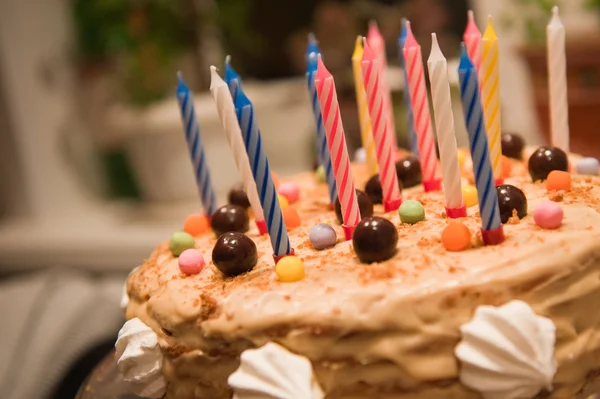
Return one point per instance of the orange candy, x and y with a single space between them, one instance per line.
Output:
291 218
506 166
196 224
275 179
558 180
456 237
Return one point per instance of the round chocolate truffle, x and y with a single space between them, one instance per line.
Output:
237 196
374 190
364 205
409 171
546 159
234 253
229 218
509 198
374 239
512 145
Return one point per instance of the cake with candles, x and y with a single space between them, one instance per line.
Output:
475 276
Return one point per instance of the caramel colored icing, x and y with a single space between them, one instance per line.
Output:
384 330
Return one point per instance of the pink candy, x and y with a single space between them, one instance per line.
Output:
191 261
290 191
548 215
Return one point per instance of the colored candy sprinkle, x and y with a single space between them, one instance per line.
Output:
290 191
411 212
289 269
283 202
291 218
507 164
470 195
456 237
320 174
548 215
196 224
191 261
180 241
588 166
322 236
558 180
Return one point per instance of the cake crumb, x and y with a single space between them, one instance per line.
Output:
556 196
514 219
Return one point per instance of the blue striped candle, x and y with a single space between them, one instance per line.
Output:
262 175
192 135
313 46
323 151
410 120
482 166
233 80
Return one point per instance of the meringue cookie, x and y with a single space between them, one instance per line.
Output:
507 352
272 372
139 359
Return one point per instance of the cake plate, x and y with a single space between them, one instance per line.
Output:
105 382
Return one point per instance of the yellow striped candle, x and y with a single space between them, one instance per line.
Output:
490 78
364 119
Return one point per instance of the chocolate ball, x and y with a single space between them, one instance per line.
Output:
237 196
234 253
364 205
409 171
512 145
374 239
546 159
373 189
509 198
229 218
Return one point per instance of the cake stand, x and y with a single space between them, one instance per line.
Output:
105 382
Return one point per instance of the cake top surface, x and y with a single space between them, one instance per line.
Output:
341 292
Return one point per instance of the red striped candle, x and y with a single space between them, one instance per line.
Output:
420 105
472 39
336 141
383 142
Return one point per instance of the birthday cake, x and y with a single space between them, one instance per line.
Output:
444 317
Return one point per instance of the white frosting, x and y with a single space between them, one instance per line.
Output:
272 372
507 352
140 360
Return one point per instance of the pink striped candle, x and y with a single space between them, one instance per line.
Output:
472 39
386 157
336 141
420 105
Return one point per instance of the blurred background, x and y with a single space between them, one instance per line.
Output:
94 166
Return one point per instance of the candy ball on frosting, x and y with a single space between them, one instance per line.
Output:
364 204
234 253
320 174
409 171
546 159
558 180
360 155
196 224
548 215
373 189
374 239
283 202
191 261
512 145
470 195
291 218
289 269
511 198
322 236
180 241
237 196
290 191
229 218
456 237
588 166
411 212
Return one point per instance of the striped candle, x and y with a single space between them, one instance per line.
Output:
492 231
336 141
410 120
226 110
234 81
366 134
377 44
192 135
444 121
490 90
420 107
262 176
472 39
324 155
383 142
313 46
557 82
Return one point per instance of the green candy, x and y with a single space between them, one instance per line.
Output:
180 241
320 174
411 212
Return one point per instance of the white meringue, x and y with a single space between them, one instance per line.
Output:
507 352
139 359
275 373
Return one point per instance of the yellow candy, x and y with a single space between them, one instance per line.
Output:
289 269
283 202
462 156
470 195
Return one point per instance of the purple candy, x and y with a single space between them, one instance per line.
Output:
322 236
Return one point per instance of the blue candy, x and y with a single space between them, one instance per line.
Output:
588 166
322 236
